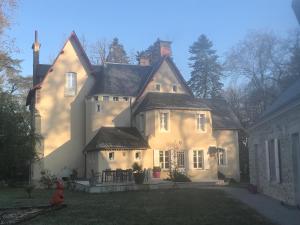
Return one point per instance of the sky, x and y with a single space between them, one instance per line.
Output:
139 23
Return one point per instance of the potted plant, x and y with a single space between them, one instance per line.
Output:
138 173
156 172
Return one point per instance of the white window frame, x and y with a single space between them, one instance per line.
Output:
162 129
182 153
197 160
116 99
140 156
162 163
158 84
113 156
198 122
276 159
224 152
70 83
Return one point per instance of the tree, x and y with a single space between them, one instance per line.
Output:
206 70
116 53
17 139
99 51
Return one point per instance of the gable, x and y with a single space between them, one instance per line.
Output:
166 75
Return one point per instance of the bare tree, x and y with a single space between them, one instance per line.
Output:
98 51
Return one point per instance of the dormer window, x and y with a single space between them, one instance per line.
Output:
174 88
157 87
115 99
105 98
70 84
96 98
125 99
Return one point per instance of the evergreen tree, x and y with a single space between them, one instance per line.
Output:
206 70
117 54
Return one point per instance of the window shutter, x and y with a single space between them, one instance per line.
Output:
277 169
190 159
267 160
156 157
206 159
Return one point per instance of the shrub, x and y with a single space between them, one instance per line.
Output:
176 176
47 179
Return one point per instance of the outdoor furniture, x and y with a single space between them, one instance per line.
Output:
116 176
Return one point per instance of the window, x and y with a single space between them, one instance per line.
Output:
138 155
201 122
273 160
198 159
115 99
174 88
98 107
164 159
142 123
157 87
70 84
221 156
125 99
96 98
105 98
164 121
111 156
180 159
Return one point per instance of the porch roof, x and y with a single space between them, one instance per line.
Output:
117 138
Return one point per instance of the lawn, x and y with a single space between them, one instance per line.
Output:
161 207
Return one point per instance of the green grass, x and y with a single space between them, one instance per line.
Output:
161 207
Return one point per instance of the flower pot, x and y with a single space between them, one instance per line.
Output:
156 174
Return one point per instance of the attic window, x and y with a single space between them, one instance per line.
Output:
105 98
70 84
115 99
96 98
174 88
125 99
157 87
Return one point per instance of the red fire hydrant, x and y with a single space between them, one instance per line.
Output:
58 196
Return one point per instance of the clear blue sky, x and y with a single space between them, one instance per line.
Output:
139 23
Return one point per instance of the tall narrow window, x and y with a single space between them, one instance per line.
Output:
70 84
221 156
198 159
201 122
164 159
272 159
164 121
180 159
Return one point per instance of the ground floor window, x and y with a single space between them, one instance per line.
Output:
111 156
222 157
198 159
180 159
164 159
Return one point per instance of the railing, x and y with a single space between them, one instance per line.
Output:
117 176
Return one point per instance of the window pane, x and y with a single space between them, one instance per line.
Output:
202 122
195 159
105 98
272 160
200 159
180 159
166 121
161 159
167 159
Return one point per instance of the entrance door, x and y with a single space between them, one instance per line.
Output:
296 156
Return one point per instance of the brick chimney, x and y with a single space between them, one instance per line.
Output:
165 48
36 54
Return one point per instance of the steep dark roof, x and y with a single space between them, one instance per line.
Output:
159 100
290 95
114 138
119 79
222 115
42 70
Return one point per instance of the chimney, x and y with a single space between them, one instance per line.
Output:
165 48
144 60
36 53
